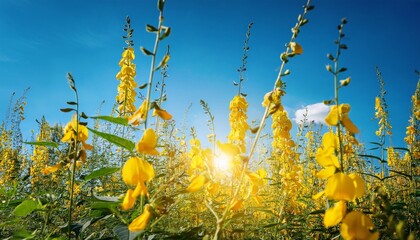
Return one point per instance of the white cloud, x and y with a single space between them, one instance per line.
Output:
315 112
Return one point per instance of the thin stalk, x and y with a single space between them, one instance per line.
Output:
73 170
152 67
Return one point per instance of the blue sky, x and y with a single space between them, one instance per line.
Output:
43 40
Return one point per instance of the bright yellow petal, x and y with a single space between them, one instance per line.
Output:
329 139
52 169
326 173
359 185
296 48
237 205
340 187
129 200
318 195
137 170
147 143
140 223
334 215
197 183
332 118
348 124
356 225
162 114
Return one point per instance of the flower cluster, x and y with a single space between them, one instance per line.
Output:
126 96
136 171
382 115
342 188
74 133
238 121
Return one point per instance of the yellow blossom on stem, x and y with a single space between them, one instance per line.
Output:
147 143
136 171
334 215
238 121
340 187
341 114
296 48
139 115
162 114
197 183
126 96
357 226
140 223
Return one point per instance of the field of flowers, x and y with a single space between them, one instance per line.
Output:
135 174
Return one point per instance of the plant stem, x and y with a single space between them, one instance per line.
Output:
73 170
152 67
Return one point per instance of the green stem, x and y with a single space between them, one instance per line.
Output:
152 67
73 170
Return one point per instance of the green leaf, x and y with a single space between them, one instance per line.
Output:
67 109
72 103
321 211
116 120
25 208
46 144
101 172
372 156
122 233
161 4
150 28
119 141
146 52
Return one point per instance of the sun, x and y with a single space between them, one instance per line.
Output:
222 162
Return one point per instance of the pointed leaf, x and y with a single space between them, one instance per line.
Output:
150 28
102 172
146 52
116 120
119 141
25 208
46 144
67 109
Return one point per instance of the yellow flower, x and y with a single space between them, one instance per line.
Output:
70 131
139 116
357 226
197 183
341 114
51 169
147 143
162 114
329 139
237 205
135 172
334 215
340 187
326 157
126 89
140 223
296 48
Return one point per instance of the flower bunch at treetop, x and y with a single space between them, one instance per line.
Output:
384 124
339 114
126 89
74 132
238 121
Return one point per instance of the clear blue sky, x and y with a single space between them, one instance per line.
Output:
43 40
